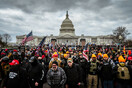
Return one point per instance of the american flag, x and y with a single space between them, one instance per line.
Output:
84 52
42 42
28 37
40 45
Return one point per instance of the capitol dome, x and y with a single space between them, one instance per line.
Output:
67 28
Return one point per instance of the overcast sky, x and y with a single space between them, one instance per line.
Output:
44 17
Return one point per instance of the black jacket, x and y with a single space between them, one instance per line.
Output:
73 74
17 78
36 73
107 73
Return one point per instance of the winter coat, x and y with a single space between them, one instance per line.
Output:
36 74
74 75
17 78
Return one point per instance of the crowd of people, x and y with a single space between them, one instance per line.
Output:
66 67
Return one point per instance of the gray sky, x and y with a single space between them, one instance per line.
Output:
44 17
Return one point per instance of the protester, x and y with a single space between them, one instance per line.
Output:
36 73
17 77
93 72
73 73
124 74
100 67
56 76
107 72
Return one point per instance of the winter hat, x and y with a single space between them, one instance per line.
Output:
55 62
93 56
99 54
121 59
55 54
105 56
65 55
67 52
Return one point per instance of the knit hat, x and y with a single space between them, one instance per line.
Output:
55 54
67 52
99 54
93 56
55 62
105 56
65 55
121 59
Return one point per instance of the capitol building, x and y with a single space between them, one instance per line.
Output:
67 36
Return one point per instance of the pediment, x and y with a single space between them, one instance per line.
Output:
67 36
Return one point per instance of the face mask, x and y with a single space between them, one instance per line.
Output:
34 62
122 64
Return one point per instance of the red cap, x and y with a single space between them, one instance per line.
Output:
55 55
129 52
129 58
14 62
6 49
37 55
43 56
3 53
15 51
45 51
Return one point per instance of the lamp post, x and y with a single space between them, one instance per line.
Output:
120 40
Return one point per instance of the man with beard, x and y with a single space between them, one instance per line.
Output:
36 73
56 76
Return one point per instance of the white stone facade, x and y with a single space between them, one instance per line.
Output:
67 36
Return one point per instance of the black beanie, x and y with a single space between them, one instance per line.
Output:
55 62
